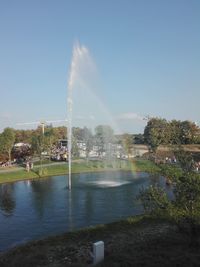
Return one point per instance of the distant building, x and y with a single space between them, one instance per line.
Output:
81 145
20 145
62 143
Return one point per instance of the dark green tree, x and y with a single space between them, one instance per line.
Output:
184 159
183 208
189 132
156 133
49 140
37 145
175 132
7 140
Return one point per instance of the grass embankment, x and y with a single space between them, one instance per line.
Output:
78 167
137 241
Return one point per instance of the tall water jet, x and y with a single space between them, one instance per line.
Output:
84 106
80 59
69 112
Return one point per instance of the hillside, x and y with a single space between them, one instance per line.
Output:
136 241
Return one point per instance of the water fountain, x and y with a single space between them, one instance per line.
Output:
83 85
97 197
81 65
73 77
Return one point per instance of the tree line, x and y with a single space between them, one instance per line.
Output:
40 141
157 132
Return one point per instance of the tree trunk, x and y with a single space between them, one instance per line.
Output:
9 155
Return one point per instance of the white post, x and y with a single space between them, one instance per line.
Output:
98 252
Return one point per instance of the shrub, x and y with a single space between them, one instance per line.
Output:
184 209
154 200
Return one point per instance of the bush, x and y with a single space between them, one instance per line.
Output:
171 172
184 209
154 200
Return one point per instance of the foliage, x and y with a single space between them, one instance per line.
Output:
37 144
75 150
88 139
184 159
143 165
184 208
23 136
154 199
156 133
187 194
172 172
49 139
160 131
7 139
127 141
138 139
104 135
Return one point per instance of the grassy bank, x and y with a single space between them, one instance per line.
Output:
78 167
137 241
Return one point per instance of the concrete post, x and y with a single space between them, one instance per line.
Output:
98 252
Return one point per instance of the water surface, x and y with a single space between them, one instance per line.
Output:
35 209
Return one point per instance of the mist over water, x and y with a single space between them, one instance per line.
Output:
85 91
84 107
81 65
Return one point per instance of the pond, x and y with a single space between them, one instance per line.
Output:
34 209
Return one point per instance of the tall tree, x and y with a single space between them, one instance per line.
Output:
75 149
7 140
49 140
156 133
189 132
127 141
104 135
175 132
24 136
138 139
88 139
78 133
37 145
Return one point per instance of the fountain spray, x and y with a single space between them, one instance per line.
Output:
79 58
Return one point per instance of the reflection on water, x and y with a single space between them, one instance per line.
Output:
70 218
44 207
7 199
42 195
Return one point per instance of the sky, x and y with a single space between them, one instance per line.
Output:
147 55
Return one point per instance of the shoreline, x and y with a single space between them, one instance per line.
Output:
62 169
61 174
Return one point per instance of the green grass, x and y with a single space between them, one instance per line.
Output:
44 161
91 166
16 176
145 166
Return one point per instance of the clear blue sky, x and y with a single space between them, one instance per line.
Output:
147 54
